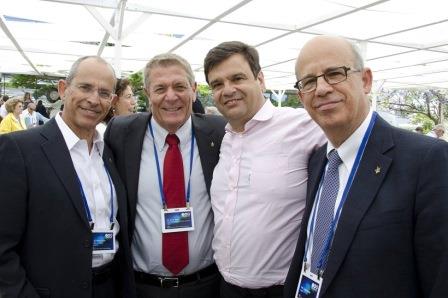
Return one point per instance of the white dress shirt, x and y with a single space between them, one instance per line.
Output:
258 195
147 241
347 152
95 182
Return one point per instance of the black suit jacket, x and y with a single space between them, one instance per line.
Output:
392 236
45 238
125 137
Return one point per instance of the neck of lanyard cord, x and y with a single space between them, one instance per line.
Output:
159 176
325 252
86 205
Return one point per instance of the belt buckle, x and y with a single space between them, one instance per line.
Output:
175 281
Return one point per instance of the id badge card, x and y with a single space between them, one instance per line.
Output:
103 242
177 220
309 285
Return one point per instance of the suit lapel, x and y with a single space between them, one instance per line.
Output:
208 148
133 146
361 195
58 156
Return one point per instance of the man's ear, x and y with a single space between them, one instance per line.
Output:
62 87
195 87
260 79
367 80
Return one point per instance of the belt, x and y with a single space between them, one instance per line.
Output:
276 290
174 281
102 273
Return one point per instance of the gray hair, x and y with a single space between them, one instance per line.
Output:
359 61
74 69
165 60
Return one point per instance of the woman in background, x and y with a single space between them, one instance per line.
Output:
124 104
12 121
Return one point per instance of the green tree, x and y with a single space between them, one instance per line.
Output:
136 80
423 106
24 81
42 85
204 94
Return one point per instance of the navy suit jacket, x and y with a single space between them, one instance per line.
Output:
392 237
125 137
45 238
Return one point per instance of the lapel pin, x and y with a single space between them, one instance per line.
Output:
110 159
377 170
212 144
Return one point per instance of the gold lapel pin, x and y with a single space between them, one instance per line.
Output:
377 170
212 144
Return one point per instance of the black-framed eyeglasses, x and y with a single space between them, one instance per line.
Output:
332 76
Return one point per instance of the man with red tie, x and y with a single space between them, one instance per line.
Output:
166 159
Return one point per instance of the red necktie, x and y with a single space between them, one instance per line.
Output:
174 245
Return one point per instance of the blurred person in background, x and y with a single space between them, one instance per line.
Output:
41 109
123 104
12 121
27 99
437 131
3 111
31 118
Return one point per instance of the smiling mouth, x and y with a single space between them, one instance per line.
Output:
90 111
172 109
327 104
232 101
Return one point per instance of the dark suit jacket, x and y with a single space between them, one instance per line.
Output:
392 236
45 238
125 137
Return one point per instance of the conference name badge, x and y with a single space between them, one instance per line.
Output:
103 242
177 220
309 285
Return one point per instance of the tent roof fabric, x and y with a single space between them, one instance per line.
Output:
402 41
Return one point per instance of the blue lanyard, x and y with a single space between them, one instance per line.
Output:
86 206
328 241
159 176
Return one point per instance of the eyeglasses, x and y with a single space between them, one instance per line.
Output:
88 90
332 76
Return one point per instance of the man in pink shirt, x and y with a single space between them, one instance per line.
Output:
259 185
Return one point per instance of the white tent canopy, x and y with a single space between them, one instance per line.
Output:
403 41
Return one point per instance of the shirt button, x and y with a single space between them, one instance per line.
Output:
84 285
87 243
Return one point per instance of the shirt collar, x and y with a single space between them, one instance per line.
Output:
160 133
71 139
348 150
264 114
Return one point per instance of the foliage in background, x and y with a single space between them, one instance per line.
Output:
41 85
24 81
205 95
424 107
292 100
136 80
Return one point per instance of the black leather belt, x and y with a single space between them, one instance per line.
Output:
275 291
102 273
174 281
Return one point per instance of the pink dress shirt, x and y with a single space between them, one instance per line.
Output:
258 195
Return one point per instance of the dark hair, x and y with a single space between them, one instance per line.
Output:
122 84
229 48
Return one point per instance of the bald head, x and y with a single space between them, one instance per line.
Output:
327 46
336 85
